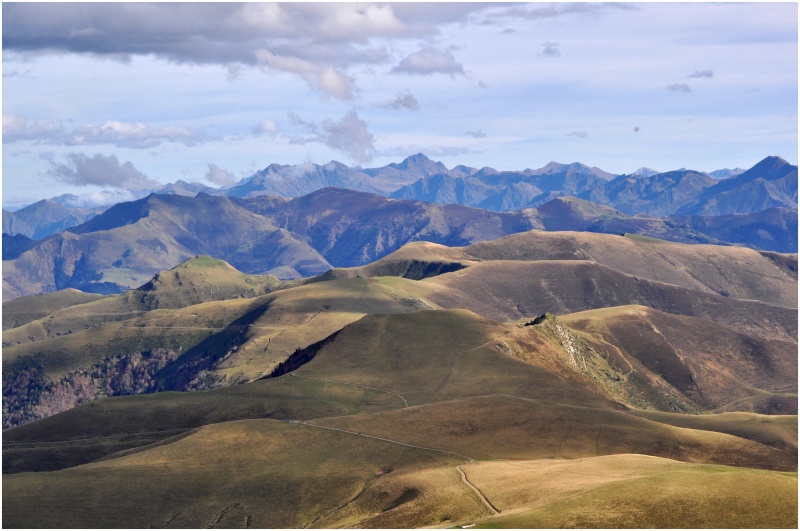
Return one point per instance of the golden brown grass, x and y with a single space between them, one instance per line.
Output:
506 427
738 271
23 310
625 491
415 498
100 428
256 473
430 356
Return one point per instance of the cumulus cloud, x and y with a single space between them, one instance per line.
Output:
318 42
476 134
119 134
218 176
18 128
578 134
402 101
679 87
266 128
131 135
429 61
550 49
100 170
350 135
324 79
702 73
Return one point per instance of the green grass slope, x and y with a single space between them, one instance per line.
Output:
382 412
200 346
256 473
23 310
97 429
199 279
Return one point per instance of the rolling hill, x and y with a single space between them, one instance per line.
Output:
234 327
541 378
404 420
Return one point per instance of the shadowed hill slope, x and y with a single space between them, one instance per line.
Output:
695 360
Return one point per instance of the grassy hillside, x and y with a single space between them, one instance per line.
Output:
514 289
634 491
196 347
238 474
510 427
703 363
23 310
729 271
97 429
382 413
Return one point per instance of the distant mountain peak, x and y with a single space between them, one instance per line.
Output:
552 167
770 163
644 171
421 163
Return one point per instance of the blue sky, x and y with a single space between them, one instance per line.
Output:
124 96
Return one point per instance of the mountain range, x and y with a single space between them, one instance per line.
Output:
772 183
291 238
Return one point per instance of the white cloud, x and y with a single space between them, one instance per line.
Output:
317 41
578 134
218 176
429 61
100 170
131 135
323 79
119 134
476 134
350 135
18 128
266 128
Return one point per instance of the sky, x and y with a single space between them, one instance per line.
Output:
122 97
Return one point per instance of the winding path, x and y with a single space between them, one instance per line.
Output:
475 489
494 510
